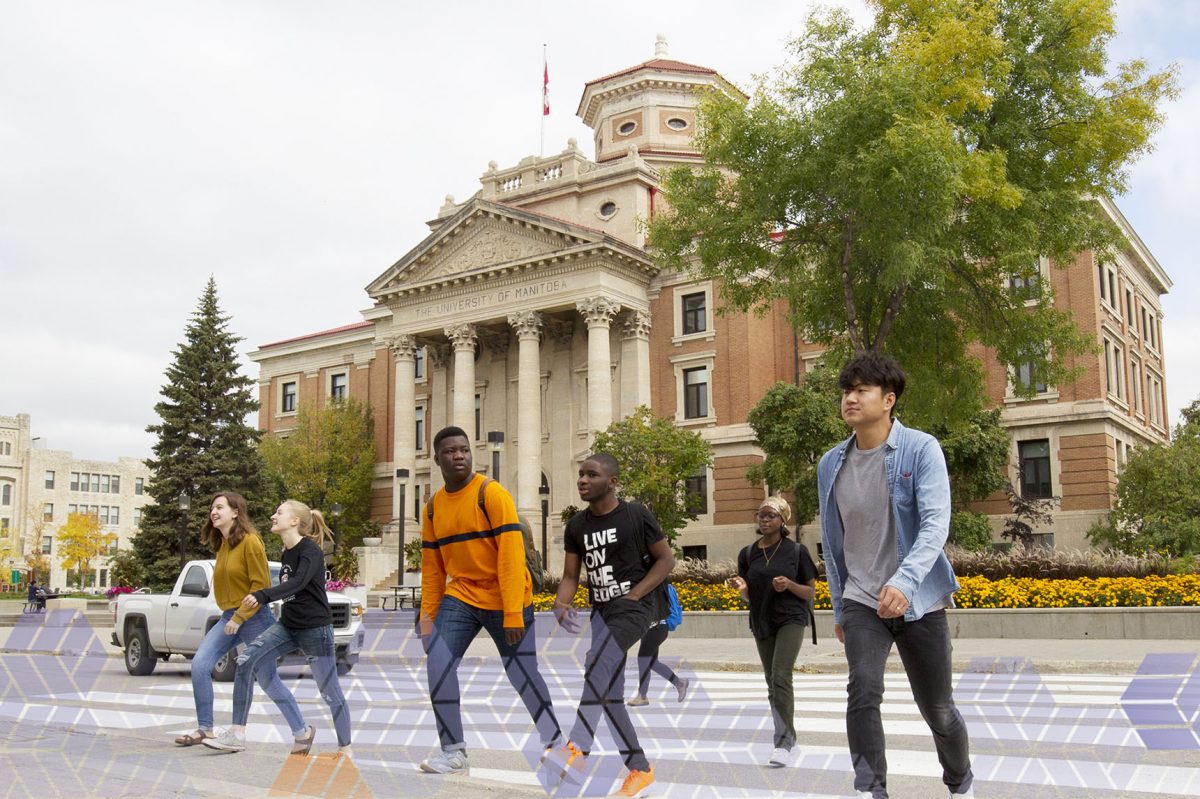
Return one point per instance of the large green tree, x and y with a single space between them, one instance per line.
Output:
897 183
1158 496
204 444
329 458
656 459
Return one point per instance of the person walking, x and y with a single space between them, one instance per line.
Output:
884 495
306 624
649 663
778 577
627 559
241 567
473 577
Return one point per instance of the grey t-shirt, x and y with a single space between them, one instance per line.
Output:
861 492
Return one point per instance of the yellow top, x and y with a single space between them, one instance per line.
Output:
466 557
240 570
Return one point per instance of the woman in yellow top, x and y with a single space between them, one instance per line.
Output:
241 569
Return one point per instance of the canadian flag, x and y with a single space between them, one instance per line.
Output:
545 88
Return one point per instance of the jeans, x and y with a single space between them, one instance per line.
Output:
924 647
454 628
215 644
317 645
616 626
778 654
648 659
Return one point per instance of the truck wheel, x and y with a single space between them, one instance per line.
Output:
140 657
226 667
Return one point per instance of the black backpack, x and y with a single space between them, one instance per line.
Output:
533 562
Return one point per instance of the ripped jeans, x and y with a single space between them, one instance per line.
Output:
317 645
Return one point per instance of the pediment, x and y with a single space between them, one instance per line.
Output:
481 238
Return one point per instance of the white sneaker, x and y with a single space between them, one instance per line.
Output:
970 794
780 757
453 762
865 795
228 741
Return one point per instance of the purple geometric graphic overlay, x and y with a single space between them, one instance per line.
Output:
1161 702
49 658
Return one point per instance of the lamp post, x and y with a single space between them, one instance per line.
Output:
496 445
334 513
401 482
544 491
185 504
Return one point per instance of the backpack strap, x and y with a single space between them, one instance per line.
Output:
482 496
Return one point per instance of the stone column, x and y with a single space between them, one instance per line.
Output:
437 358
463 337
598 312
635 361
527 325
404 411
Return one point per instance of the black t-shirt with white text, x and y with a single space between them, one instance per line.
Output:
608 545
301 587
771 609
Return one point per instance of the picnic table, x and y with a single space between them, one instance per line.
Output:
402 593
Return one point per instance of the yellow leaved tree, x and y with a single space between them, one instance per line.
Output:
80 541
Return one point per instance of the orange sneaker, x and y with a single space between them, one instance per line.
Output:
568 759
636 782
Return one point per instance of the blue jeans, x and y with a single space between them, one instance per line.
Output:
215 644
317 645
454 628
924 647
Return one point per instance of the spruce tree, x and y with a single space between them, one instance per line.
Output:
204 443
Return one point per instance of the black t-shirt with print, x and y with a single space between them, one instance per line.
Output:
301 587
771 609
609 546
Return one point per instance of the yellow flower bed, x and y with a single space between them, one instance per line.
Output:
979 592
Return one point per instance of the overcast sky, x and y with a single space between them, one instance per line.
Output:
293 150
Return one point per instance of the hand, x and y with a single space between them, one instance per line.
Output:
567 617
837 632
892 603
425 626
249 602
231 627
513 635
737 582
781 583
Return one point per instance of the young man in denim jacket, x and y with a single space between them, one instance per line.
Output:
885 515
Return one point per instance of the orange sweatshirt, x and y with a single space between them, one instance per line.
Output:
239 571
466 557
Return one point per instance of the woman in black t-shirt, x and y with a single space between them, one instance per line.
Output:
306 623
777 576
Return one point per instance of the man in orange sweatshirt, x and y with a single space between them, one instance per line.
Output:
473 577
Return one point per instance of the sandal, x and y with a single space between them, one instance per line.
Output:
301 746
193 738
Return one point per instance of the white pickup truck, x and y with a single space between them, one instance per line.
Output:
152 627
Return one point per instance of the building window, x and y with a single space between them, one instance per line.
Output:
1024 378
1113 369
47 542
74 481
1033 462
137 517
1129 315
694 318
104 578
1135 384
695 393
95 484
84 479
6 492
104 484
697 486
288 398
48 512
116 484
419 363
696 552
72 508
5 448
49 479
114 515
139 485
420 431
103 514
478 417
4 523
337 386
1154 400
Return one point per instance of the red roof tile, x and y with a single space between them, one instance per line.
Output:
342 329
657 63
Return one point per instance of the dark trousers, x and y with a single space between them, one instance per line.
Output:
778 653
924 647
454 629
616 626
648 659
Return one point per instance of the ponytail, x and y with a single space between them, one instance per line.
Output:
312 522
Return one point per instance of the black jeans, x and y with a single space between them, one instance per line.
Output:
924 647
616 626
648 659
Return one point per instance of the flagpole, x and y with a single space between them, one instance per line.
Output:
545 101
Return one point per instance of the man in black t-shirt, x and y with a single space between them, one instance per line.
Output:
627 559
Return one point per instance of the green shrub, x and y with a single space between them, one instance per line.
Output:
971 531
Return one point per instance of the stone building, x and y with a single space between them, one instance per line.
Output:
533 309
40 487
